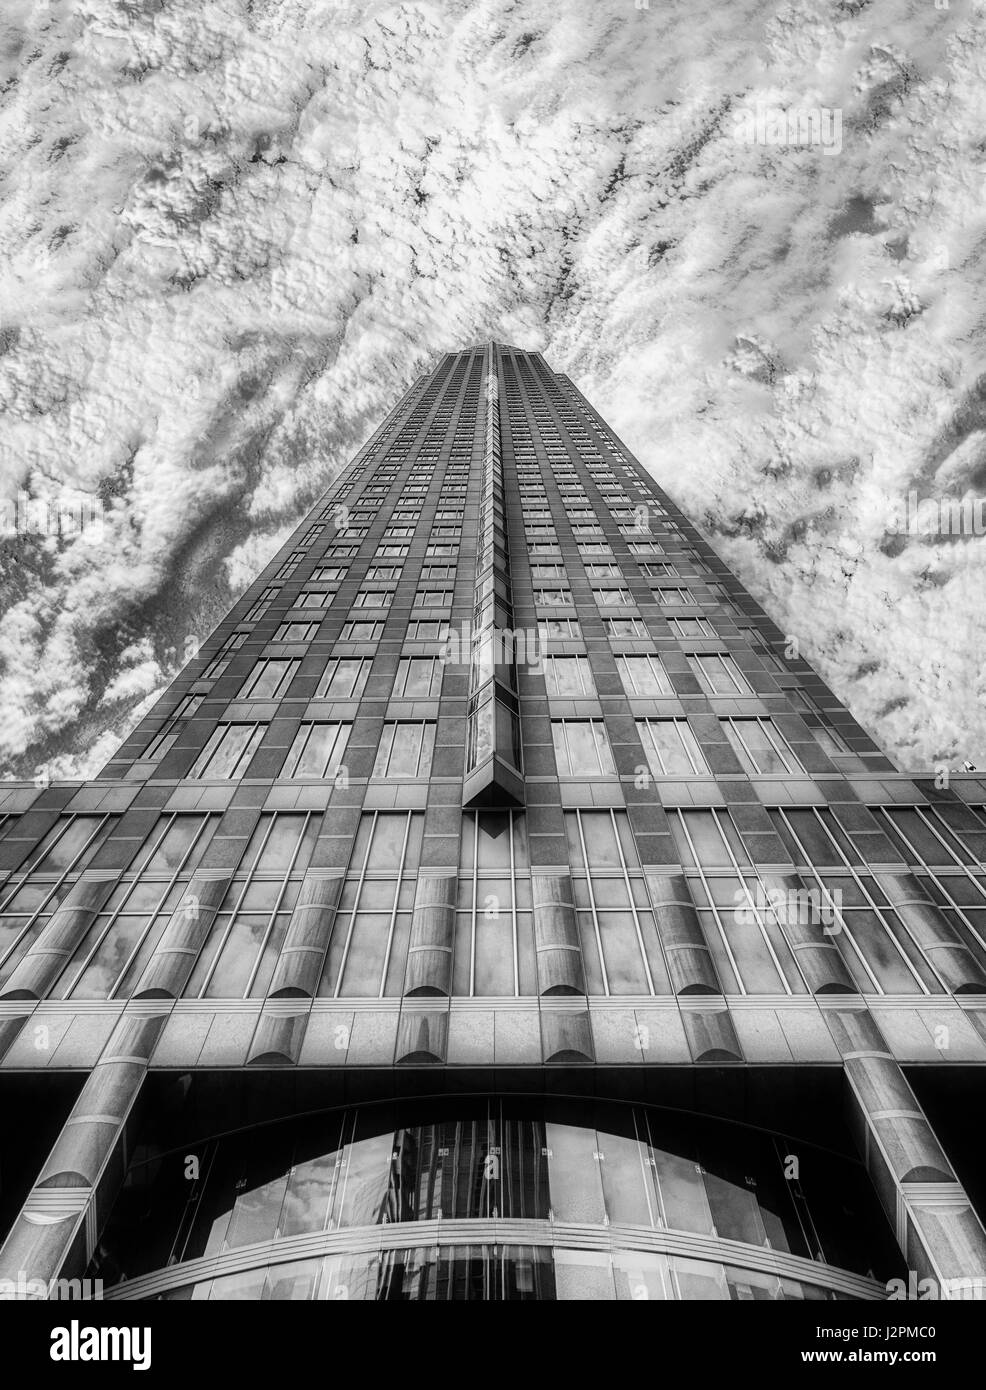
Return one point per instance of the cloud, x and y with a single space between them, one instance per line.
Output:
233 234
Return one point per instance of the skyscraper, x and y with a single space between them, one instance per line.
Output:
497 906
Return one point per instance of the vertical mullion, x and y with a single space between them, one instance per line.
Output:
513 906
393 913
633 906
356 903
475 893
592 904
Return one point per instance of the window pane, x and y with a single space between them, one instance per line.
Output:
230 755
342 680
387 843
643 675
415 677
757 745
317 750
671 747
268 680
493 839
281 844
173 845
481 733
703 829
63 845
409 752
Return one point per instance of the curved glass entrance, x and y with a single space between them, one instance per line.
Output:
497 1198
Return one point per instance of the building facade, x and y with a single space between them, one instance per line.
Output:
495 907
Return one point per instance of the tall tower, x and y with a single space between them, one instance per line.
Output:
496 907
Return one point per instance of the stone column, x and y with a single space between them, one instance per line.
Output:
794 907
708 1027
166 973
937 1229
72 1192
281 1027
556 933
690 964
429 956
302 956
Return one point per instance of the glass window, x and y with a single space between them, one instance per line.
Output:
808 836
621 948
625 627
169 849
405 750
803 701
612 598
568 675
481 731
367 950
70 844
670 597
558 629
269 679
643 675
718 674
167 735
692 627
295 632
707 838
361 632
290 564
925 838
494 949
114 951
671 747
759 746
343 679
262 604
228 751
317 750
582 748
418 678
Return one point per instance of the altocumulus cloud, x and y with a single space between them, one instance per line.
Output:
232 233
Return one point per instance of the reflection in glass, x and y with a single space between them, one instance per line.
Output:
594 1166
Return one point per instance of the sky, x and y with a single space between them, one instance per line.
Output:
232 232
